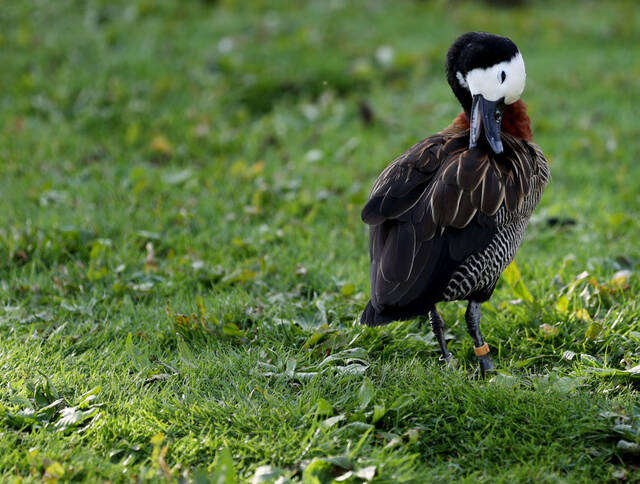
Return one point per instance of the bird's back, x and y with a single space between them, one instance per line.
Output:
445 220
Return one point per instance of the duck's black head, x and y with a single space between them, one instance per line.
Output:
485 72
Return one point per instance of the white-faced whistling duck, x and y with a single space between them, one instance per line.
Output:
447 216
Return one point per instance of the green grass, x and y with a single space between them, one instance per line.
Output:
182 261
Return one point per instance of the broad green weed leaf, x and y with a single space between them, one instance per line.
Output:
185 353
401 402
567 384
22 419
223 470
269 474
319 334
528 361
230 329
88 397
379 411
593 330
562 305
366 473
72 416
505 380
331 421
360 426
157 439
350 355
583 315
48 411
318 472
514 279
412 435
348 290
323 407
366 393
290 367
53 472
342 461
632 373
628 447
521 291
344 477
136 356
512 274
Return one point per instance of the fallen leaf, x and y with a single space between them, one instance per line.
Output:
593 330
620 280
562 305
628 447
53 472
366 473
548 330
348 290
256 169
160 144
158 378
583 315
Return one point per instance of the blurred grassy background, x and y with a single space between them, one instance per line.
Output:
180 187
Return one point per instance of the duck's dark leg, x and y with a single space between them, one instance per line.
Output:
437 324
481 349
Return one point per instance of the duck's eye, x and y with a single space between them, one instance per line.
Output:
503 76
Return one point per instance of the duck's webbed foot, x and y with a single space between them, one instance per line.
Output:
449 361
481 349
485 365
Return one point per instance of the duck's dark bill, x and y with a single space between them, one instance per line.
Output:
490 112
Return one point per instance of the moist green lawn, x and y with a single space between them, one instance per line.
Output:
183 265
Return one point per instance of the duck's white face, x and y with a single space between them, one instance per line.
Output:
503 80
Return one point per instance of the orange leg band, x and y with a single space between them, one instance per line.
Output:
482 350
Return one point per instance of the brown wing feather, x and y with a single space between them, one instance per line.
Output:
466 211
512 195
492 191
472 166
445 200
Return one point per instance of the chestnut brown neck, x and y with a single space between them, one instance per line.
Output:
515 121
